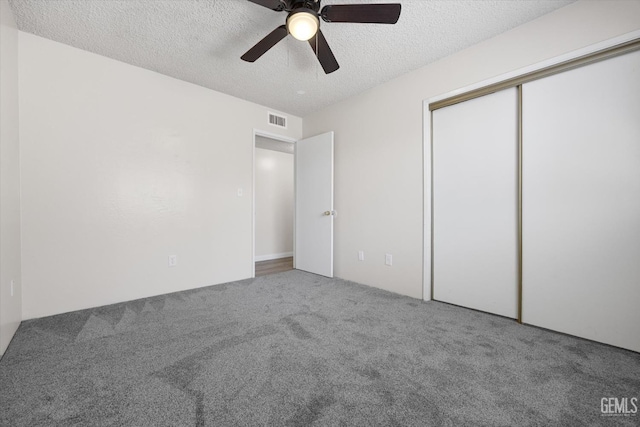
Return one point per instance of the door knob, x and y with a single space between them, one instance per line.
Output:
329 213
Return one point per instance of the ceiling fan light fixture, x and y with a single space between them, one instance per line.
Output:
303 24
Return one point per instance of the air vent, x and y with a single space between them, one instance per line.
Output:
277 120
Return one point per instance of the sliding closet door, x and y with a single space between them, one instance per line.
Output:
581 202
475 203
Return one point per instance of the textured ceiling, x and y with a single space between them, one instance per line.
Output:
201 41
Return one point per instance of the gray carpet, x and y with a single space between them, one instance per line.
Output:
299 349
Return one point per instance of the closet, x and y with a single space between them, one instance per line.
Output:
536 199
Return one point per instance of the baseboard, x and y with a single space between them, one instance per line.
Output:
269 257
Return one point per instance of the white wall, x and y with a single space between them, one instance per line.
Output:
274 204
10 306
378 138
122 167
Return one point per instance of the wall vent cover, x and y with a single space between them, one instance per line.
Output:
276 120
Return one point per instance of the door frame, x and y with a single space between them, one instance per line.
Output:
258 132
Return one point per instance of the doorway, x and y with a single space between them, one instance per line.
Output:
273 207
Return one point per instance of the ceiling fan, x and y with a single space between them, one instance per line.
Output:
303 23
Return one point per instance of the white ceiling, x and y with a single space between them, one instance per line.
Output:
201 41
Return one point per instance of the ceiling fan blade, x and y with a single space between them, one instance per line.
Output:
265 44
380 13
276 5
323 52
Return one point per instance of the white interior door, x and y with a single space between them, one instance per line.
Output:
475 203
314 205
581 202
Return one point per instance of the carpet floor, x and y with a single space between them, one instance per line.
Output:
299 349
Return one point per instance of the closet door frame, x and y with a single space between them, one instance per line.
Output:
598 52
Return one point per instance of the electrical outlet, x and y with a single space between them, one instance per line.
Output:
173 260
240 192
360 255
388 259
12 287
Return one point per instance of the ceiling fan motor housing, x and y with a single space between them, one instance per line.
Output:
294 5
